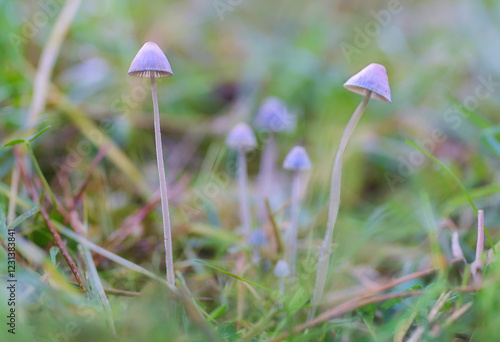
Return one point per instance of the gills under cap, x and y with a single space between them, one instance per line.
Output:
241 137
373 78
297 159
150 61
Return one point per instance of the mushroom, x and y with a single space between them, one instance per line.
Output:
297 160
151 62
242 139
258 237
282 270
372 82
272 117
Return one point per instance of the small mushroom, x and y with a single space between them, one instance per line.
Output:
151 62
297 161
242 139
282 270
272 117
258 238
372 82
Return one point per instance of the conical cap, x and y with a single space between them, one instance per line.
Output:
374 78
150 61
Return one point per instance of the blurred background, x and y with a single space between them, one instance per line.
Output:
227 56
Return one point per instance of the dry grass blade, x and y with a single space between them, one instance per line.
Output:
48 59
48 222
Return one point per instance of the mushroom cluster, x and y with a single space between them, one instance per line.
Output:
272 117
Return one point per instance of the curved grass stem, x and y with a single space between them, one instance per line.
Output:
324 254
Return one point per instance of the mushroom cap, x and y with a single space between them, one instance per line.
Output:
150 61
281 269
297 159
258 237
273 116
374 78
241 137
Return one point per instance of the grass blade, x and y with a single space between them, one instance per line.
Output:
42 177
24 216
97 288
14 142
459 183
235 276
36 135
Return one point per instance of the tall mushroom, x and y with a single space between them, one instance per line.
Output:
297 161
242 139
372 82
272 117
151 62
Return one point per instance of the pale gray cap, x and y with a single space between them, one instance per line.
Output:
150 61
374 78
241 137
273 116
281 269
297 159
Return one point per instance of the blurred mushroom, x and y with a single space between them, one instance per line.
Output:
297 160
242 139
272 117
282 270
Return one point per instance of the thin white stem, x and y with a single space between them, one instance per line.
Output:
324 255
294 220
266 174
477 265
169 262
456 250
246 218
282 285
480 234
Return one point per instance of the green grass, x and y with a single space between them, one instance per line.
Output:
391 271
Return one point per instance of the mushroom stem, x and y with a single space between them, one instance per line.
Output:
477 265
324 255
266 174
246 219
169 262
282 289
294 220
480 234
